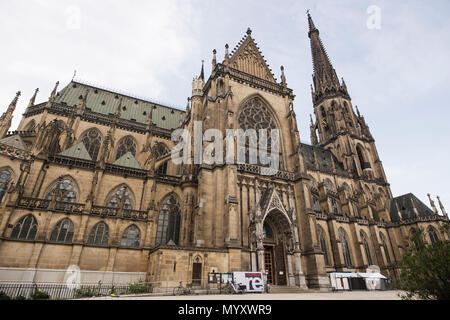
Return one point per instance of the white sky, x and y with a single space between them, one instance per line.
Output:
397 75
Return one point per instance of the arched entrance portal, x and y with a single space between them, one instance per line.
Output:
277 242
275 245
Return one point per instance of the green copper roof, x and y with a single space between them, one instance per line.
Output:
106 102
77 151
14 141
128 160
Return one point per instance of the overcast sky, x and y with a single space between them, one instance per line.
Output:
398 75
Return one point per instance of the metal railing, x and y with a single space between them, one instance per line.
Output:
56 291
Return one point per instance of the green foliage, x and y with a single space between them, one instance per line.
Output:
139 287
84 293
112 290
4 296
20 297
39 295
425 268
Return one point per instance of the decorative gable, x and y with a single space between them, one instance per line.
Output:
247 58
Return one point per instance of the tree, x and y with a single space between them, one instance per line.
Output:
425 268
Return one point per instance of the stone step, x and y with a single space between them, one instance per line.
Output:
287 289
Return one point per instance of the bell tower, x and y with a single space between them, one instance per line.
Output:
339 128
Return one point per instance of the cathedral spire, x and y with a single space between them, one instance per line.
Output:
324 73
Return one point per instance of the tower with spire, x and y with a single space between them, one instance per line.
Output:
339 129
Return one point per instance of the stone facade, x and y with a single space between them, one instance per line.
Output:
87 180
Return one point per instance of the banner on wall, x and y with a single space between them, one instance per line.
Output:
253 281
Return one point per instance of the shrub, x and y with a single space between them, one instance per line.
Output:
4 296
84 293
139 287
425 268
40 295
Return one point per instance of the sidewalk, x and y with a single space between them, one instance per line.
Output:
347 295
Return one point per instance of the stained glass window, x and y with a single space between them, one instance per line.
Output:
345 248
255 115
63 232
25 228
131 237
127 144
119 198
168 221
92 141
5 176
99 234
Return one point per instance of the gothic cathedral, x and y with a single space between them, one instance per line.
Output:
87 179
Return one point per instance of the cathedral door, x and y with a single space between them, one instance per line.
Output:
280 266
268 264
196 274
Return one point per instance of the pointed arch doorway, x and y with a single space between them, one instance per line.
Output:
277 240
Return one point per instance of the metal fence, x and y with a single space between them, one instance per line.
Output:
63 291
36 291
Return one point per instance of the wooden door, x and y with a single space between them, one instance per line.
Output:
196 274
280 265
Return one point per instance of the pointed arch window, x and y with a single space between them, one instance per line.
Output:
127 144
131 237
334 206
323 246
119 198
99 234
366 248
316 205
5 177
385 248
92 140
25 228
362 161
63 232
168 221
433 235
65 193
345 248
255 115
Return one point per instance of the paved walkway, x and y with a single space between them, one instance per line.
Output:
351 295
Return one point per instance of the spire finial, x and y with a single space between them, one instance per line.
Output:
432 204
33 98
214 61
249 31
442 207
202 72
283 77
12 105
227 55
53 94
